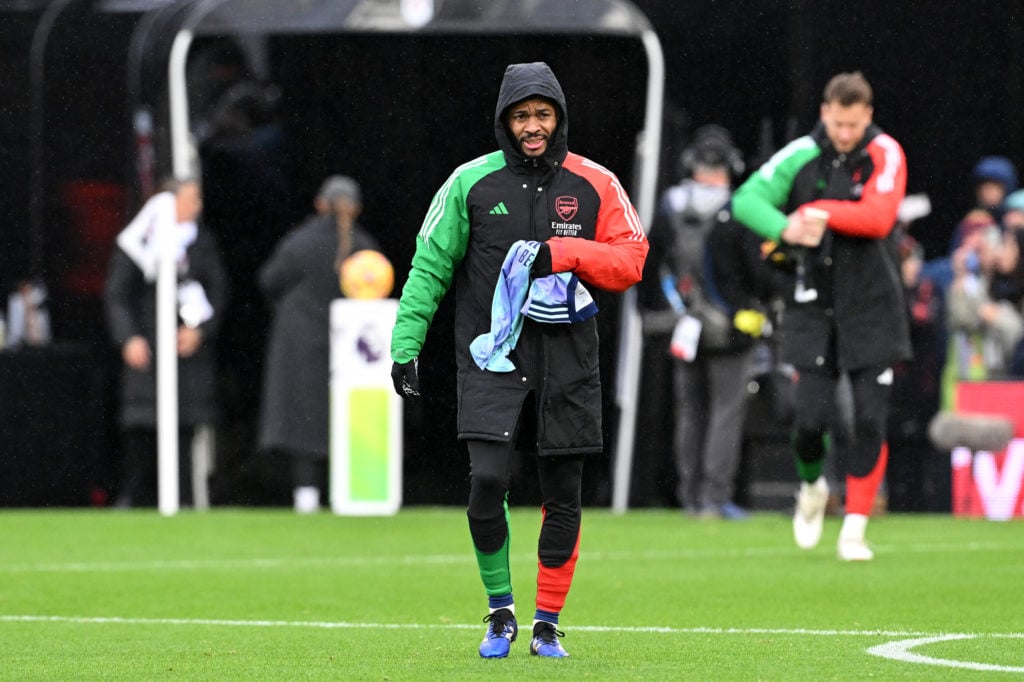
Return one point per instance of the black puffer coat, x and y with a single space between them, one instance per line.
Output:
581 211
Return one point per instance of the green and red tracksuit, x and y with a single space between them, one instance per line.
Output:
581 211
858 322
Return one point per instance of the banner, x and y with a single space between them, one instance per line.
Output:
990 484
366 414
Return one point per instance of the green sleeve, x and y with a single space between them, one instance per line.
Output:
759 202
440 247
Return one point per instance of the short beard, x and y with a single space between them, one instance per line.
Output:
522 145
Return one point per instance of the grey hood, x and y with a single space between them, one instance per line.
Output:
523 81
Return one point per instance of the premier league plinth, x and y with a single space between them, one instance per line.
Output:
366 414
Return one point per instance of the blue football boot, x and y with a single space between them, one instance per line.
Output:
501 632
545 641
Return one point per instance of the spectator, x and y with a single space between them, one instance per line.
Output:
1008 280
994 178
130 300
985 329
299 280
916 390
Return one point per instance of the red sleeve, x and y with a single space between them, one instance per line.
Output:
874 214
614 259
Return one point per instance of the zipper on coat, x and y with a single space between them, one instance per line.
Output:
540 350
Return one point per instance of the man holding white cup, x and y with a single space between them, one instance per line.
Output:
829 200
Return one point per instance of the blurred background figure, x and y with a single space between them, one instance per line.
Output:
1008 279
701 282
1011 282
246 154
985 325
918 477
994 178
130 299
299 281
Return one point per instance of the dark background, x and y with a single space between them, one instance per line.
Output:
399 114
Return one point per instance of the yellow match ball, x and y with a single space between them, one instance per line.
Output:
367 274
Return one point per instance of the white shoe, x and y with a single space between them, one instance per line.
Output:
854 549
810 513
307 499
851 539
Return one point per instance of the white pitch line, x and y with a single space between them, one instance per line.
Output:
455 559
901 651
897 651
232 564
346 625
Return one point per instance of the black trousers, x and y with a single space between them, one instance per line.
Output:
139 467
560 478
816 410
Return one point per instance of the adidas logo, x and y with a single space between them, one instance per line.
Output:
499 209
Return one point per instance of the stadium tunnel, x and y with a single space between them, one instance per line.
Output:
264 99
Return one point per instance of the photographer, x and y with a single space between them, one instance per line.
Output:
705 280
985 328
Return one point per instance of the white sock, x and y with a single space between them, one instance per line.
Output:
854 526
307 499
510 607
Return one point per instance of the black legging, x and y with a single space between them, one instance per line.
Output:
560 479
816 409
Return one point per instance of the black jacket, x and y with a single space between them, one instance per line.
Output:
717 265
581 211
860 305
130 302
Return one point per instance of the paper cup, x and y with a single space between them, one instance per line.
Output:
815 214
818 219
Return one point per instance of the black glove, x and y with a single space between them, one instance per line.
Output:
406 377
541 266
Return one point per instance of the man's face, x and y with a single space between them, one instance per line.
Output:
990 194
532 123
189 202
845 126
1014 219
347 208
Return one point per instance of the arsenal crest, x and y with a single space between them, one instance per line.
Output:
566 207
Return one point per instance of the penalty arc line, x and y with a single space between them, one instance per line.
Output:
901 651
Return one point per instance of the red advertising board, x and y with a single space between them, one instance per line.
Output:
990 484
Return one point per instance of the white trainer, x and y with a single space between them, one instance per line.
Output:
810 513
306 499
851 539
854 549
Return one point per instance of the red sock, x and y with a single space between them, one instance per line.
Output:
553 583
861 490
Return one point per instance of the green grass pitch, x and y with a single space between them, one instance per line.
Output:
239 594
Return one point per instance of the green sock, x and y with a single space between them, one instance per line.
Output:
494 568
810 469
